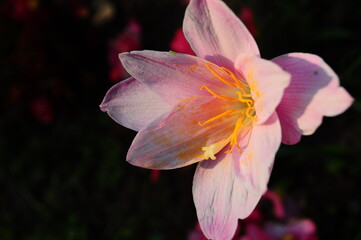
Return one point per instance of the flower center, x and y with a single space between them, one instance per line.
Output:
245 110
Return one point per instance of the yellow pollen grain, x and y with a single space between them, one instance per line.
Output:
250 76
193 68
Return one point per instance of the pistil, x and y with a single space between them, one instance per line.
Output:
244 96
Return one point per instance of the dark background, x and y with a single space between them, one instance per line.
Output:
63 173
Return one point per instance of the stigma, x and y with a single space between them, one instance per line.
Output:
209 152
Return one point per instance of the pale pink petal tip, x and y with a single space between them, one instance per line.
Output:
131 104
216 33
314 92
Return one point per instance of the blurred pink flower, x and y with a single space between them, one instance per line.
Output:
179 43
80 10
298 230
303 229
42 110
255 232
226 108
154 176
20 9
246 15
277 203
196 234
186 2
128 40
292 229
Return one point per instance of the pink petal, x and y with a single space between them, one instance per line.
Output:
255 163
267 82
221 198
133 105
216 33
174 76
177 140
314 92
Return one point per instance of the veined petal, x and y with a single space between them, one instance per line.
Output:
132 104
221 198
174 76
216 33
314 92
177 140
254 165
267 82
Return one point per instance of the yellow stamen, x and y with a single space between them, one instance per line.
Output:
234 136
234 77
217 117
220 77
219 96
243 113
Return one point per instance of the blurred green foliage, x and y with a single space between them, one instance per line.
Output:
67 178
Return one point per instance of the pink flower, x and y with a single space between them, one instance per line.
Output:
226 108
128 40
